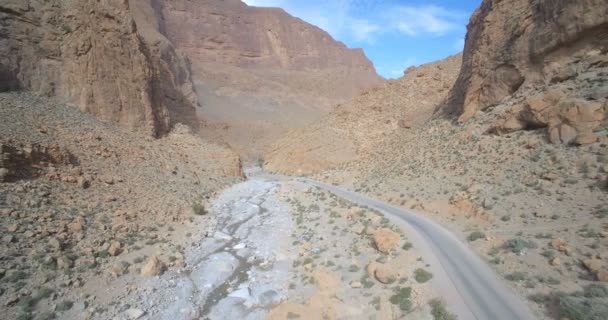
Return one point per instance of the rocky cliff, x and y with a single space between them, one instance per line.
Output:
259 71
518 48
106 57
230 32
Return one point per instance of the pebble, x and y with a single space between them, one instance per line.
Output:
135 313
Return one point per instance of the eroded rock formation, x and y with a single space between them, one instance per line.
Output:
107 57
521 46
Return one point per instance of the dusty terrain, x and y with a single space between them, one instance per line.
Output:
84 202
285 250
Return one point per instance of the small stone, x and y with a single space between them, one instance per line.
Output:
356 284
77 225
12 228
117 270
586 138
550 176
55 244
115 248
83 182
556 262
64 263
153 267
3 174
594 265
9 238
135 313
179 263
602 275
109 180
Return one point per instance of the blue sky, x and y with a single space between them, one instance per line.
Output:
395 34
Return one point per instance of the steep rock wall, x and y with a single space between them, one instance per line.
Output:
93 54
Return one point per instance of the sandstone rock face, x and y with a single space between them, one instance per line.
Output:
513 46
232 33
260 72
105 56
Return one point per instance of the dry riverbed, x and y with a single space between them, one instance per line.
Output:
267 249
285 250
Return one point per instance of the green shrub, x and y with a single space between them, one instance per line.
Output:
402 298
516 276
519 246
198 209
589 304
439 311
476 235
422 275
407 246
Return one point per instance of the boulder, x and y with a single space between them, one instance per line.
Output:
386 240
153 267
382 272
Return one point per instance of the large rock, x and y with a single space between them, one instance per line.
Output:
382 272
153 267
518 44
568 119
386 240
108 57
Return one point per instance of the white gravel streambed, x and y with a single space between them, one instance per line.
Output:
237 272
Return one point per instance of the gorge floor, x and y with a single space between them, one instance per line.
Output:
286 249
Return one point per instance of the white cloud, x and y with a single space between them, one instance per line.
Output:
363 30
428 19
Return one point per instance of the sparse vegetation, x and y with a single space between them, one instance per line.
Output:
516 276
422 275
402 298
439 311
198 209
519 245
588 304
476 235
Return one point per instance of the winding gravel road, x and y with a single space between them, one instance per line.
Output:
482 292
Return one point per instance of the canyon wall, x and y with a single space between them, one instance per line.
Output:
103 56
523 46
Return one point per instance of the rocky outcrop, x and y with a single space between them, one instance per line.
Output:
515 46
107 57
569 119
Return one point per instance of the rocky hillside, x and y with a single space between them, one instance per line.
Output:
109 58
356 128
522 175
83 202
